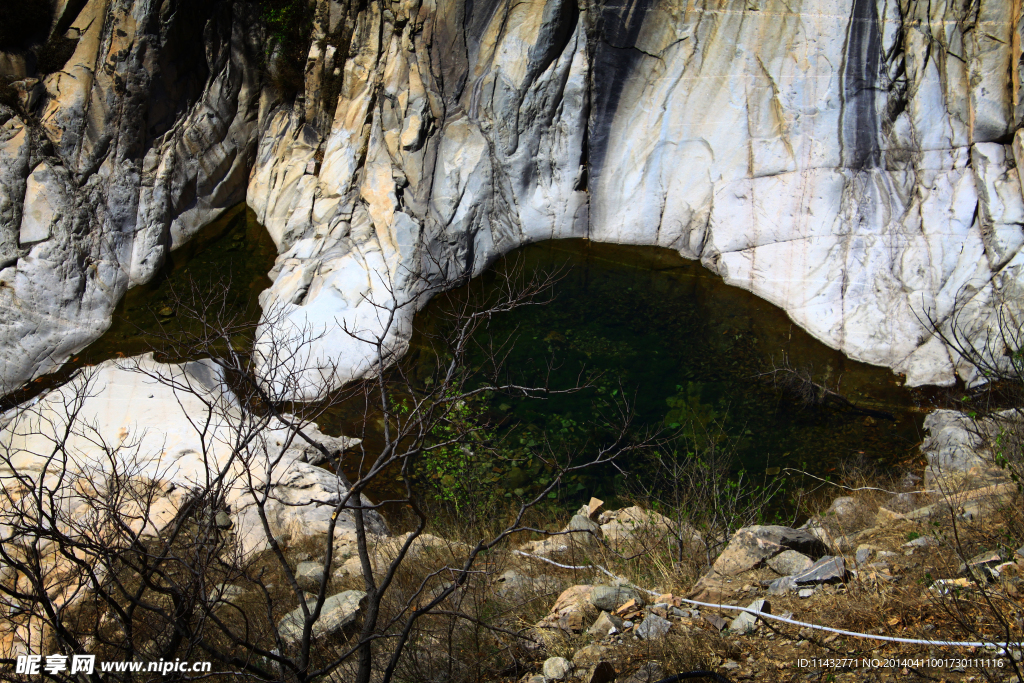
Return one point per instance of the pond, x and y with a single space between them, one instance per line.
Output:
694 357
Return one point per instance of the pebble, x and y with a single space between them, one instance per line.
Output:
806 592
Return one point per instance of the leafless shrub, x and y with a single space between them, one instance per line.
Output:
100 557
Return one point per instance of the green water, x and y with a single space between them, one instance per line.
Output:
689 352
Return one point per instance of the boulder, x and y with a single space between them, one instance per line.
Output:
571 610
751 546
610 598
557 668
338 611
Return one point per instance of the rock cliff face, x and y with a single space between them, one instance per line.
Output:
143 136
854 162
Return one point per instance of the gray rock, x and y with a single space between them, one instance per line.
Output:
746 621
557 668
826 570
789 562
338 612
605 624
750 546
653 627
922 542
864 553
805 592
610 598
309 574
781 586
222 520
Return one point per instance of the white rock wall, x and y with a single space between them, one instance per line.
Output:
847 161
852 162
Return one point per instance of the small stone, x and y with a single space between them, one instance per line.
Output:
922 542
653 627
781 586
790 562
746 621
864 553
718 622
557 668
805 592
627 624
826 570
730 665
